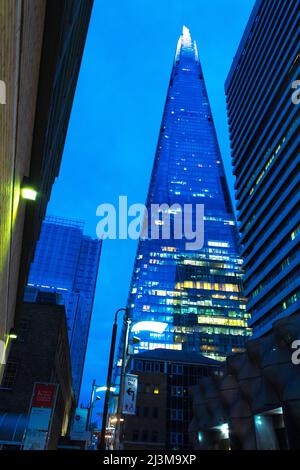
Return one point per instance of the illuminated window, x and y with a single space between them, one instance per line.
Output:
221 321
219 244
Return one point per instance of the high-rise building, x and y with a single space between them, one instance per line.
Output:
41 47
264 127
66 261
196 293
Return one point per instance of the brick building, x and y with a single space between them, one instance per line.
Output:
39 354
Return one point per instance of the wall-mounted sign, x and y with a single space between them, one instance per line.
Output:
41 410
44 395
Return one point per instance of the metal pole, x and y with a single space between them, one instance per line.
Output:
91 406
122 381
108 380
108 384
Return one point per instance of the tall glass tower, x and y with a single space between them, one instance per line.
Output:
197 293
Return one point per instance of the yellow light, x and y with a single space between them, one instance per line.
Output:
221 321
12 334
29 193
156 391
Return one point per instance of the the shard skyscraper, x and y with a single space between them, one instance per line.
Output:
195 293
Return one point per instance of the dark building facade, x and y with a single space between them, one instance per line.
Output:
40 354
254 403
164 406
195 291
41 46
264 131
66 261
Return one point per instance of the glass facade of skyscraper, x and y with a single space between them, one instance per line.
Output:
196 292
66 261
264 126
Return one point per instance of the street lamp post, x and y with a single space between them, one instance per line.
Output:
91 406
109 373
122 382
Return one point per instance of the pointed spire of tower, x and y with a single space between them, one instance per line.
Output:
186 37
185 42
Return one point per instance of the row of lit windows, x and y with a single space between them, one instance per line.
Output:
151 346
208 286
221 321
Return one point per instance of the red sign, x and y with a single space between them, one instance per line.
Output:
44 396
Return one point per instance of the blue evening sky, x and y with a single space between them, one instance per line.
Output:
115 122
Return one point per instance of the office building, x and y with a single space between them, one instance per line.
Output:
254 403
195 291
41 46
164 405
264 124
66 261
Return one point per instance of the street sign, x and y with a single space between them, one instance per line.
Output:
78 431
40 416
130 394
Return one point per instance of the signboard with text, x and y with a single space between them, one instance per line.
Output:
130 394
44 395
40 415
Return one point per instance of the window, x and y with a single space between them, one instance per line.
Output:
10 375
146 411
144 435
135 435
156 390
154 436
177 391
155 413
177 369
176 414
147 388
157 367
176 438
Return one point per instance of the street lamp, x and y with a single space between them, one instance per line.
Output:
110 369
151 326
103 389
95 388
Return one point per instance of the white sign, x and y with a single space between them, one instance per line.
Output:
40 419
78 432
130 394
